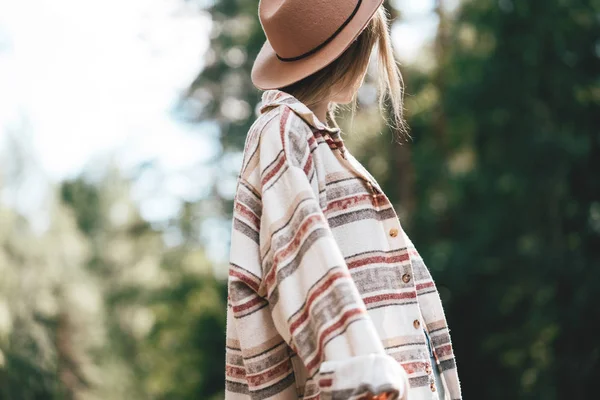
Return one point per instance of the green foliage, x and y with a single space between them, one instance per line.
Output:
114 314
507 197
187 347
223 87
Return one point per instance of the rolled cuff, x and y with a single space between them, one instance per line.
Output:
360 375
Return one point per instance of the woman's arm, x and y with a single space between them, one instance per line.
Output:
314 303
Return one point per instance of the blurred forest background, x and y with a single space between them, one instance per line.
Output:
498 188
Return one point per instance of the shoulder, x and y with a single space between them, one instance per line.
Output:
281 133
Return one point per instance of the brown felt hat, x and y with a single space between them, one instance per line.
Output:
304 36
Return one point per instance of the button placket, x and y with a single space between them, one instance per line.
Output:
428 369
393 233
376 191
432 386
373 189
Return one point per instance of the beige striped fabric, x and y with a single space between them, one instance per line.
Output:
327 296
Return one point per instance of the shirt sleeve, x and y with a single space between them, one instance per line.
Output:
314 303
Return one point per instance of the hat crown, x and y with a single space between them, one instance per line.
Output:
296 27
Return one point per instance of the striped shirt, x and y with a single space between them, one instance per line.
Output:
327 296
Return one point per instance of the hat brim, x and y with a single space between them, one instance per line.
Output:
269 72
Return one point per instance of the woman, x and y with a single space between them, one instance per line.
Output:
328 298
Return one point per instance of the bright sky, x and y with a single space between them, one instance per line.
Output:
90 78
99 77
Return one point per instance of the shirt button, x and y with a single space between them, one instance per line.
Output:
432 386
393 232
428 369
416 323
406 278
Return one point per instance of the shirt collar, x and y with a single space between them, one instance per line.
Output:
274 98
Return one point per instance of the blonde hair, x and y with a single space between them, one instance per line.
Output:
347 69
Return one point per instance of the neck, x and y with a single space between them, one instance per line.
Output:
320 110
